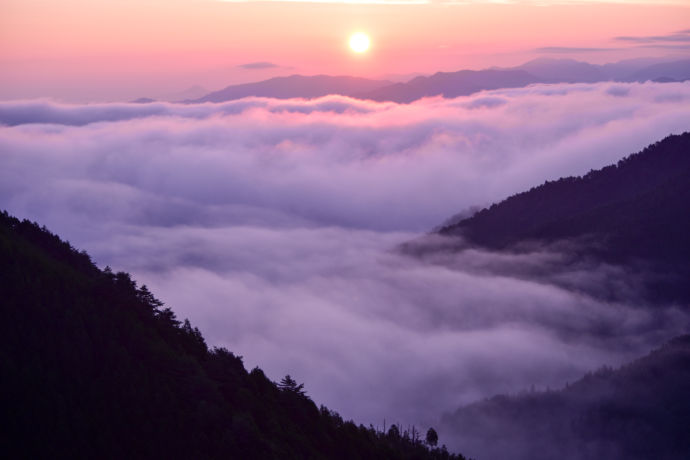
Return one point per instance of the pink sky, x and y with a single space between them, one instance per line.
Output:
100 50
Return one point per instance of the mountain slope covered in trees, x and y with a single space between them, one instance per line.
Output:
638 412
94 366
633 213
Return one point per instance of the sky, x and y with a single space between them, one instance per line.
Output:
118 50
273 226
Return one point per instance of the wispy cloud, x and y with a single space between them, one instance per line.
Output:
682 36
570 49
259 65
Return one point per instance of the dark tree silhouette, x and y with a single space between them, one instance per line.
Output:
394 432
634 213
94 367
290 385
431 437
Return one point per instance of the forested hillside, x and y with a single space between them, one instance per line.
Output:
636 212
94 366
638 412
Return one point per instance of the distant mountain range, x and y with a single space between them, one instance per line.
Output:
634 212
549 70
460 83
296 86
451 84
638 412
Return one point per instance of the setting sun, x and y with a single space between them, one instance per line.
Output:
359 42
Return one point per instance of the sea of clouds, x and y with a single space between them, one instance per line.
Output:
273 225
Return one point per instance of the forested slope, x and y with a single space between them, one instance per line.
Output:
638 412
634 212
93 366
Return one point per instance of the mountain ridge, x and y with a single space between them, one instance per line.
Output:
295 86
637 210
95 366
457 83
636 412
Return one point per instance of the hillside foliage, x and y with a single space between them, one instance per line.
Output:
94 366
635 212
637 412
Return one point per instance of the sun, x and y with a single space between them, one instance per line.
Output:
359 42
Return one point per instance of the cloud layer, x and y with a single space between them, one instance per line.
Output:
333 161
271 225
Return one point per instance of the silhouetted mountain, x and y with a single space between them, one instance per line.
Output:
296 86
634 212
460 83
548 70
94 366
673 71
542 70
638 412
622 70
450 84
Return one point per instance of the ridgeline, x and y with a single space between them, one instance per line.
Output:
94 366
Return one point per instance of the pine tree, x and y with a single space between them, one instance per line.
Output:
290 385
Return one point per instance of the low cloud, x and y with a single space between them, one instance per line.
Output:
570 49
618 91
273 225
332 161
682 36
259 65
377 334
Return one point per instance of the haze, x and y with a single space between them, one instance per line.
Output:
271 225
